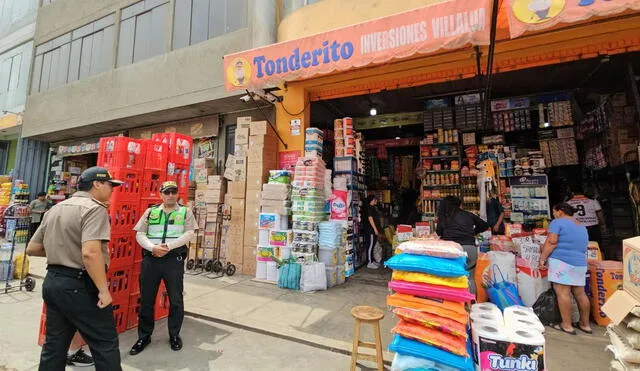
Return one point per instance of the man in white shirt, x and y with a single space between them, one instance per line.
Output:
589 214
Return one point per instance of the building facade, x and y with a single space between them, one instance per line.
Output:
17 28
138 67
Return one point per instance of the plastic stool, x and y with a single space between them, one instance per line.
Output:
371 316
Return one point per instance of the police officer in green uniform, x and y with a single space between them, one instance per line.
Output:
74 237
164 231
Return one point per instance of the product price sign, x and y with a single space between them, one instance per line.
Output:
528 180
287 160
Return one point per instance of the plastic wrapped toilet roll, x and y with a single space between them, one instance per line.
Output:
263 237
490 333
261 270
527 324
517 316
489 318
272 272
485 308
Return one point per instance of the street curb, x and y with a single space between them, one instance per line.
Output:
273 334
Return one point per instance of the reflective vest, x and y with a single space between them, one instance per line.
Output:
164 228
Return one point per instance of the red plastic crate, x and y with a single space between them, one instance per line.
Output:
162 303
120 312
135 280
137 258
122 250
131 189
180 146
180 175
157 156
122 153
134 311
152 182
119 282
124 215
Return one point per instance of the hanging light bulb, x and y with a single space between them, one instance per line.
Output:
373 111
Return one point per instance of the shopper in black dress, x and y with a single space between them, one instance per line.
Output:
371 219
458 225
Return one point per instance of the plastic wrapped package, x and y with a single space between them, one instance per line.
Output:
431 247
428 264
461 282
426 335
427 319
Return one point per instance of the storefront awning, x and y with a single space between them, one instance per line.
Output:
538 15
446 25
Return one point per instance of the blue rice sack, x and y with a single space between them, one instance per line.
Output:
414 348
428 264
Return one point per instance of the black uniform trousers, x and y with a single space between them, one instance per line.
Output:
170 269
71 298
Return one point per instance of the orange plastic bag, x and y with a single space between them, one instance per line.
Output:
429 336
461 282
606 279
443 308
436 322
482 277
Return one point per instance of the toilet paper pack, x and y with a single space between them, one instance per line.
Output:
507 348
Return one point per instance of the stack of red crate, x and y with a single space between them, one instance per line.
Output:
143 165
179 160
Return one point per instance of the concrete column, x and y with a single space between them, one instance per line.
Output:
262 22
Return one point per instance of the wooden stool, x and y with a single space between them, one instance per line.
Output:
371 316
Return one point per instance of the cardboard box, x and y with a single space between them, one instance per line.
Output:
237 212
241 150
258 153
242 135
255 180
238 190
244 122
213 196
202 175
631 265
249 261
262 140
261 128
201 187
204 163
619 306
210 239
216 182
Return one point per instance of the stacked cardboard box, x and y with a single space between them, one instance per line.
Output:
236 171
623 309
262 150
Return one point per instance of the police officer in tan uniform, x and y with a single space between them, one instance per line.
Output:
163 231
74 237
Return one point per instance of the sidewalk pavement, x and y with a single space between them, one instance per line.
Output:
207 345
323 319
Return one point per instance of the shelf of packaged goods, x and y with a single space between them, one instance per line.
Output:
440 157
440 144
441 171
440 186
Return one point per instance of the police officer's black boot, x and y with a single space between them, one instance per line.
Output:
139 346
176 343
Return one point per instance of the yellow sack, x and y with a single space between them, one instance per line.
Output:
17 266
458 282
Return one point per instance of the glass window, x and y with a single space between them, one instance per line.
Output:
142 31
85 51
199 20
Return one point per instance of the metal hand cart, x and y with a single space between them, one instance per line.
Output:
197 264
14 225
220 265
